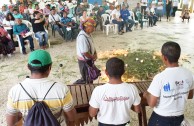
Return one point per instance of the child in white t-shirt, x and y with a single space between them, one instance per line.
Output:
112 101
169 89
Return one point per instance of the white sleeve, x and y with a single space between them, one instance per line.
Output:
94 100
83 44
155 87
4 21
50 19
137 99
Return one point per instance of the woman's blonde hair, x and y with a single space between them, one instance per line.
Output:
118 6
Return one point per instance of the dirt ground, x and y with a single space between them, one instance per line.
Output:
14 69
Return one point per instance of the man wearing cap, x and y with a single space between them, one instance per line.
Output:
21 29
59 98
54 19
86 52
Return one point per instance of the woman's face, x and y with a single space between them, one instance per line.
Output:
64 15
89 29
9 16
84 13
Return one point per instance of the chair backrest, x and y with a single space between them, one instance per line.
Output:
28 24
108 11
105 17
91 6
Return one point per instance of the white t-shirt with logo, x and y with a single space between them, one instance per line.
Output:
172 86
114 102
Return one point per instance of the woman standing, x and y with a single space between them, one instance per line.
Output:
168 9
86 52
159 11
8 23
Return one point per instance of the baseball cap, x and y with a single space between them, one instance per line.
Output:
39 55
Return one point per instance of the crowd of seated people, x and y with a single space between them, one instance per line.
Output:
53 13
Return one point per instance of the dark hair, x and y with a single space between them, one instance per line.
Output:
35 13
171 50
115 67
41 69
15 9
7 17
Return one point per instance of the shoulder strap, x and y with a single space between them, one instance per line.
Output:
49 90
88 42
27 93
31 96
53 17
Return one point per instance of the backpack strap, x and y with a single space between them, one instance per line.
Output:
31 96
27 93
49 89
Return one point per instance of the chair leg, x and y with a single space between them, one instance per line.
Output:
107 30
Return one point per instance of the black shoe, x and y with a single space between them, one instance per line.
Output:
24 52
32 50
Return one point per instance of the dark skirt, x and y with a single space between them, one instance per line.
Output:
6 46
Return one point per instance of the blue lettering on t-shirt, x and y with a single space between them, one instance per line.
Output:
167 87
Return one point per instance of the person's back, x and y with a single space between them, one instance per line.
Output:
169 89
111 102
58 99
174 84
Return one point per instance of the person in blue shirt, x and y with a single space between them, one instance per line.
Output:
125 16
21 29
68 26
16 14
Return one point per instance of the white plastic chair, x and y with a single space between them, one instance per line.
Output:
115 26
29 25
108 26
108 11
132 16
91 6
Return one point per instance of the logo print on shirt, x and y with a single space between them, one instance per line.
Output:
167 87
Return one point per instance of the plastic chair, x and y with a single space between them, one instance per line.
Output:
108 11
132 16
106 27
141 20
115 26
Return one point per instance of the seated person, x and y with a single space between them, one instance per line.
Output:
6 44
125 16
83 17
85 4
38 28
114 97
186 15
68 26
16 14
151 16
94 16
105 6
116 19
79 10
21 29
54 19
8 24
99 18
137 9
96 7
